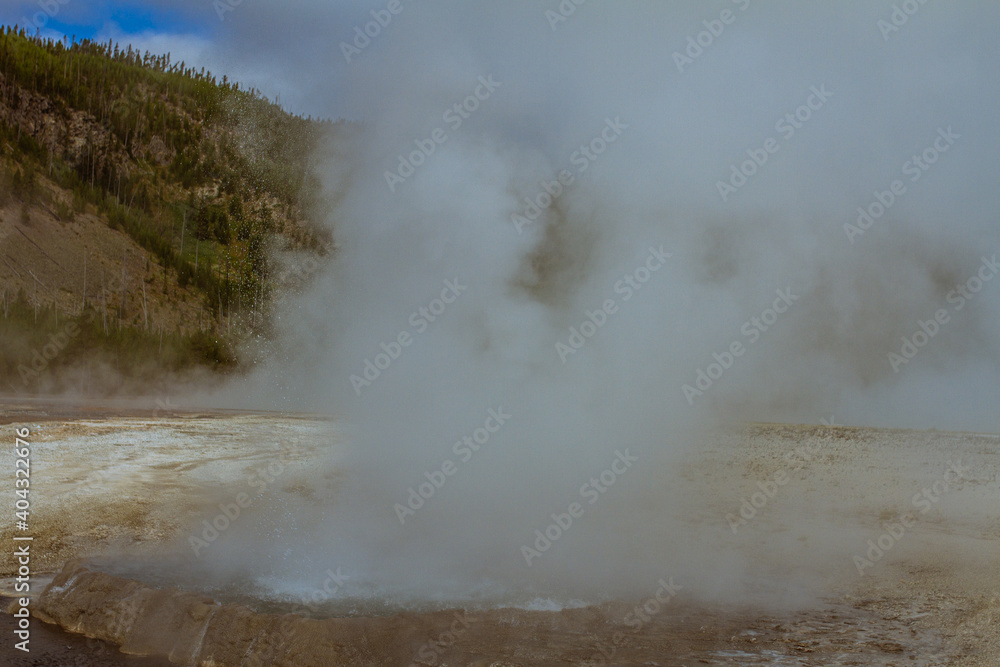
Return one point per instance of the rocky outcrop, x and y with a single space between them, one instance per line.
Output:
188 629
191 629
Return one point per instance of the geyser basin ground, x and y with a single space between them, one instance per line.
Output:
843 508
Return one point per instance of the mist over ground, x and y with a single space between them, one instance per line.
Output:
620 238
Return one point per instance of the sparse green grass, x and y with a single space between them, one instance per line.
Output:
173 149
45 353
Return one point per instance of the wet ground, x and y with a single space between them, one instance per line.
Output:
50 645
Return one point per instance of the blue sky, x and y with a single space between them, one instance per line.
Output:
94 19
190 30
287 50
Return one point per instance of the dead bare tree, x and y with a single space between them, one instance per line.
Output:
104 304
121 311
145 317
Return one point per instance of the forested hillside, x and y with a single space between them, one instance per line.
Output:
142 205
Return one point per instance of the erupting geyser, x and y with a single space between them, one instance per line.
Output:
562 257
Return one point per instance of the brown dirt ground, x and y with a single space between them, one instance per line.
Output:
933 600
53 250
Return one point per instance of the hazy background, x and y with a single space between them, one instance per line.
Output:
495 346
656 185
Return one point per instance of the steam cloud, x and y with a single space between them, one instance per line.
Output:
525 285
